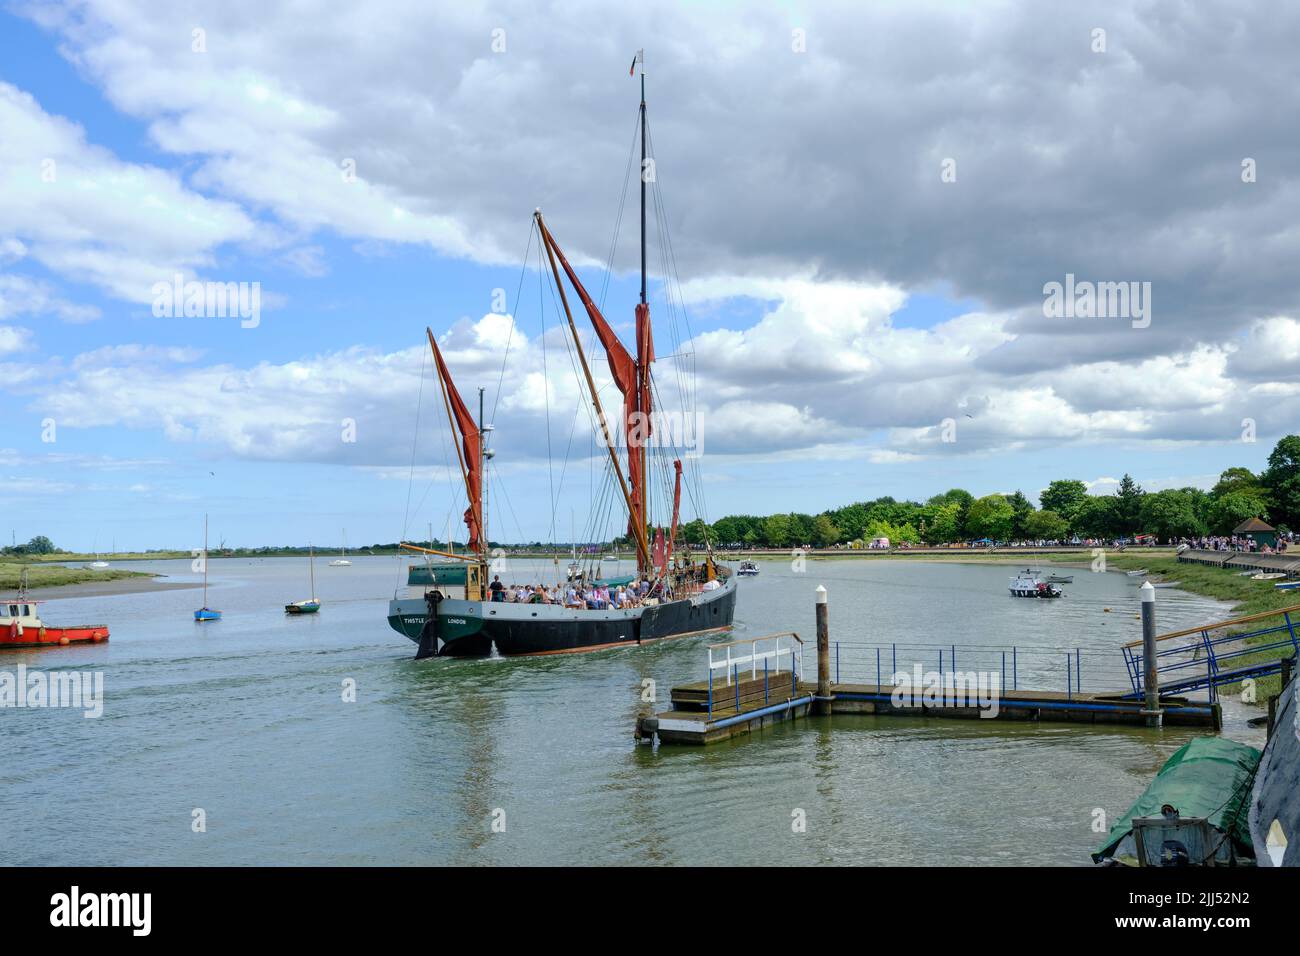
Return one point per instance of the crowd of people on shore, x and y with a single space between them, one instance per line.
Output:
1285 541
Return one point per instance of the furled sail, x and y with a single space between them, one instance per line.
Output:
471 458
677 506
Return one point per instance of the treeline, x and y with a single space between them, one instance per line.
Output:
1065 511
38 545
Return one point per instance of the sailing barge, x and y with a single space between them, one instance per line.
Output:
452 612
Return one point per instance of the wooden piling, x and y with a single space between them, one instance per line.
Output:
1151 676
822 703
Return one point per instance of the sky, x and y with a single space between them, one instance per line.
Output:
867 206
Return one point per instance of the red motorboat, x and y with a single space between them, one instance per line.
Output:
21 626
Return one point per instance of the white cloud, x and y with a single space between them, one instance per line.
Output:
81 212
20 295
14 339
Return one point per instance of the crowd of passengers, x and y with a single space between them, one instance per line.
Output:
598 596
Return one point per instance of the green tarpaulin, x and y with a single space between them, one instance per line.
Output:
1208 777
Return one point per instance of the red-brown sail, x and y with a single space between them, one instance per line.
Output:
677 506
633 381
471 447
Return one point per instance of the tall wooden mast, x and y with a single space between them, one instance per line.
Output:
637 526
643 361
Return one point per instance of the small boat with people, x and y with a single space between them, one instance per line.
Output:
747 569
1029 584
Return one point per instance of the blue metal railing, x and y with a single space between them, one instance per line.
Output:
868 663
1205 662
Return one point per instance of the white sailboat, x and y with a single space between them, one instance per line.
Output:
98 562
342 560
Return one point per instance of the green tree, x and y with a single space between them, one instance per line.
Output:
1282 479
776 531
801 529
1096 517
1022 509
942 523
990 517
1227 511
694 532
1046 526
824 533
1234 480
1128 506
1173 513
963 499
850 519
1065 496
40 545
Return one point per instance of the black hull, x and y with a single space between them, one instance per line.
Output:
677 619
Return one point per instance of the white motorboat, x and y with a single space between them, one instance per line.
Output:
1028 584
747 569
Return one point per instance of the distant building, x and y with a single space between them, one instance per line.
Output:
1257 531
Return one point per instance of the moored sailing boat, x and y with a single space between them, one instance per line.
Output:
671 595
342 560
206 613
312 605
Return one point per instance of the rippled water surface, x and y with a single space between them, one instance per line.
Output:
245 719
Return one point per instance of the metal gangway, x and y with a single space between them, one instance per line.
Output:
1212 655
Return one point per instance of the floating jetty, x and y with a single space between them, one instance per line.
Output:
760 705
752 684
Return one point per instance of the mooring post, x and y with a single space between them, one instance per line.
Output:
1151 676
823 701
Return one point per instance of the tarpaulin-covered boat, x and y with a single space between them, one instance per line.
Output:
1207 779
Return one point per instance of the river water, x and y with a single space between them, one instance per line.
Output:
243 723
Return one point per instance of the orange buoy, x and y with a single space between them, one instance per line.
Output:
64 642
